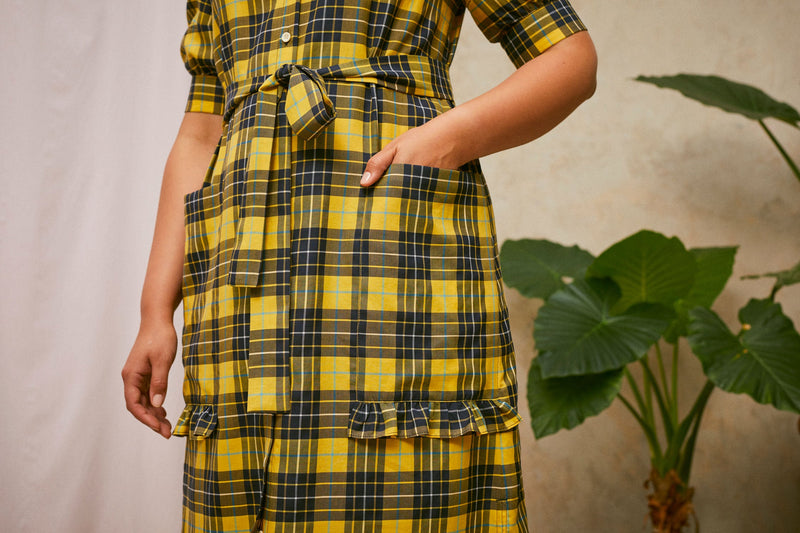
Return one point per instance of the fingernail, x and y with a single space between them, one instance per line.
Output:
158 399
365 178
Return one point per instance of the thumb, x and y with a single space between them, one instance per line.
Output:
158 384
377 165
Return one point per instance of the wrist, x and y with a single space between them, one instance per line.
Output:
155 305
456 135
156 315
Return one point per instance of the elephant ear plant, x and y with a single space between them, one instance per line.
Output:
631 306
628 306
733 97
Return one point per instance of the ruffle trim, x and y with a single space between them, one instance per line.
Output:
373 420
197 421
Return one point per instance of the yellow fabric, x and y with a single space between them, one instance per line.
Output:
347 353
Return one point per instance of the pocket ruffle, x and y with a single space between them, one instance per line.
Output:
197 422
372 420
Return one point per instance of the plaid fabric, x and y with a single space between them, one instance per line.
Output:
348 362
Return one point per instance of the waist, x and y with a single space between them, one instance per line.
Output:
410 74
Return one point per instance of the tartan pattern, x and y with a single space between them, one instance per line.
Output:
348 362
205 94
433 419
308 107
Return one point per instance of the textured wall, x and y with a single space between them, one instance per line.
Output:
93 95
635 157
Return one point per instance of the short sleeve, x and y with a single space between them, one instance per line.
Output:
197 50
525 28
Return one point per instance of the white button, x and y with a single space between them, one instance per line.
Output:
286 37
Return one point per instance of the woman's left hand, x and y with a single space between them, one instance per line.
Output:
427 145
529 103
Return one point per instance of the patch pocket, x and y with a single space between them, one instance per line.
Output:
201 222
504 516
197 422
418 183
428 286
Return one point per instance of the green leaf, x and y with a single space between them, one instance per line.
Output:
648 267
563 403
537 268
727 95
763 361
714 268
679 326
783 278
576 333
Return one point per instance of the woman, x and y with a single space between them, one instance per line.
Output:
346 343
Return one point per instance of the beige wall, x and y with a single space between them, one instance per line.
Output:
92 96
635 157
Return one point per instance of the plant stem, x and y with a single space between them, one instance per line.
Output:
685 465
662 371
648 397
675 383
636 392
666 415
786 157
649 432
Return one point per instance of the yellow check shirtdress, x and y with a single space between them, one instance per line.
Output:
348 361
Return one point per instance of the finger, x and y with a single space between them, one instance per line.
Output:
133 385
165 429
158 383
152 417
157 420
135 403
376 166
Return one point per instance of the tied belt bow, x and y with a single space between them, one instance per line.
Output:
262 247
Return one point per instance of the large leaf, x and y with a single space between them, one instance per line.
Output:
763 361
537 268
714 268
563 403
783 278
576 333
727 95
648 267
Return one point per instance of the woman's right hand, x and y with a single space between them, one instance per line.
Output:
146 372
147 368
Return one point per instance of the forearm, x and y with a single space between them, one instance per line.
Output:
184 171
528 104
525 106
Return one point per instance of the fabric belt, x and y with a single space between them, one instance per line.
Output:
262 247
